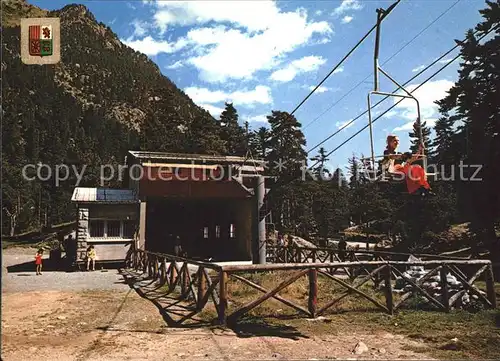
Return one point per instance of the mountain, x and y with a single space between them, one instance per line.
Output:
101 100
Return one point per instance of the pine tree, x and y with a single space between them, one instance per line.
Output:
474 101
233 134
259 142
286 158
415 137
319 170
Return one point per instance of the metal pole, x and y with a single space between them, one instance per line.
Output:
371 129
259 223
377 45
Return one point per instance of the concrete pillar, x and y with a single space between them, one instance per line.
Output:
142 225
82 232
259 233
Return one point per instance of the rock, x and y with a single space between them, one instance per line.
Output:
381 351
61 317
319 318
360 348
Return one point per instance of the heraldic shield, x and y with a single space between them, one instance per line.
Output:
40 40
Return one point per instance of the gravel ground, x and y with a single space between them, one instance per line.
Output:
25 280
54 317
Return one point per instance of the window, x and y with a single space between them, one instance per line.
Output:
114 229
96 228
99 228
217 231
232 233
128 229
205 232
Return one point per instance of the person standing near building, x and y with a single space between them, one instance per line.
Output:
91 255
38 261
178 247
71 249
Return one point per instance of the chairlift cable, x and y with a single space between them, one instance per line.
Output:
395 91
385 62
394 105
385 14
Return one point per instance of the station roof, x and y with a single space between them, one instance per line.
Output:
167 157
103 195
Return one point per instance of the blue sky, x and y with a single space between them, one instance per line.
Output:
265 55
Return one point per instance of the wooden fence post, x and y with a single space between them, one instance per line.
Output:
202 289
173 275
313 291
155 267
490 286
222 297
445 297
185 281
163 276
388 289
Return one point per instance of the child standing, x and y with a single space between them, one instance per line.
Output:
38 261
91 255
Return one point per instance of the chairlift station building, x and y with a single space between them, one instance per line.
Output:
210 202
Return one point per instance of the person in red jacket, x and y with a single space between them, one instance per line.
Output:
401 165
38 261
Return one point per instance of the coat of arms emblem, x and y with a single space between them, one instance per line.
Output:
40 40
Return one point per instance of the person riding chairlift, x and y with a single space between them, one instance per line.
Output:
400 165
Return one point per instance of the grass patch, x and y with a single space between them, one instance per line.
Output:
456 335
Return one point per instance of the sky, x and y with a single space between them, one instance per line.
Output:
267 55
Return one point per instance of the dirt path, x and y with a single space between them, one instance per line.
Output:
117 324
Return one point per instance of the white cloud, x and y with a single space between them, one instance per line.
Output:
338 70
321 89
342 124
262 118
445 61
319 12
347 5
213 110
303 65
391 114
261 94
178 64
260 37
149 46
430 122
347 19
426 95
418 68
140 28
252 15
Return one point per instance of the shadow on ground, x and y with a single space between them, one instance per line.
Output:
54 265
182 313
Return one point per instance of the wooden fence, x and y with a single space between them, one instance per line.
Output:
199 282
293 254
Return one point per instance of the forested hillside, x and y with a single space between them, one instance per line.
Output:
101 100
104 99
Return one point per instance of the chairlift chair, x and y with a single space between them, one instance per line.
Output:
383 175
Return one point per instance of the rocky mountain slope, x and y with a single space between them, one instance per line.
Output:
100 101
97 70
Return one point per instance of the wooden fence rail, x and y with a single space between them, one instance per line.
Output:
293 254
199 282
